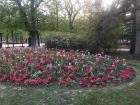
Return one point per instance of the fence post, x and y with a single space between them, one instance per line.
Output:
21 40
13 38
7 41
0 40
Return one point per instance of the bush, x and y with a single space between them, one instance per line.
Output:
65 41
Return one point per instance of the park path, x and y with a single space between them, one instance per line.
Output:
19 45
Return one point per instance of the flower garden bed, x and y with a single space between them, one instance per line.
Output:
33 67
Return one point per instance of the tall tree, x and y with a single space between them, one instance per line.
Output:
30 20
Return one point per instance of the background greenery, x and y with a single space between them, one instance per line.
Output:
89 21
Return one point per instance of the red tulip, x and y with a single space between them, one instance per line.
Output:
10 72
129 67
113 67
39 80
87 71
83 79
49 78
1 74
68 79
62 71
67 70
38 65
71 75
83 84
30 61
61 81
24 69
98 79
4 78
91 80
32 82
17 81
24 76
104 79
44 72
39 56
20 75
47 60
75 69
46 81
114 79
14 77
26 82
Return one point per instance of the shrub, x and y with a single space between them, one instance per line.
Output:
65 41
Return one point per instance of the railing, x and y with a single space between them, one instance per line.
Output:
14 40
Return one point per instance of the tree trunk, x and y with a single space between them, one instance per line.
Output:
32 38
12 33
57 24
29 41
137 48
33 32
71 28
133 39
38 39
0 40
57 16
132 46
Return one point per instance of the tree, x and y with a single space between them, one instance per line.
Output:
72 10
116 19
9 18
93 12
30 20
57 4
54 7
137 48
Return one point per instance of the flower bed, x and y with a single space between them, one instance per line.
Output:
30 67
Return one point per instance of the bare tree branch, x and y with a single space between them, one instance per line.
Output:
37 4
72 12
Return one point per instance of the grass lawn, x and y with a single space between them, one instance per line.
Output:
128 94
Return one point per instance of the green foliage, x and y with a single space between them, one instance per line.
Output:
96 27
110 37
10 19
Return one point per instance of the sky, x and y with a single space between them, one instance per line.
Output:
107 3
